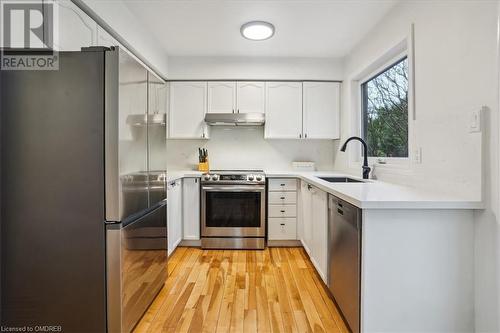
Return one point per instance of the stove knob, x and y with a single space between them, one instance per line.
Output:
215 177
233 177
250 177
206 177
258 177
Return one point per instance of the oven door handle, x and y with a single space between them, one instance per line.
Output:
234 188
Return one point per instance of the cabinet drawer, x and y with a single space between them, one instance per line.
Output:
282 184
281 198
282 211
282 228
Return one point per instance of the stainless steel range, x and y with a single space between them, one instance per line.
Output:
233 209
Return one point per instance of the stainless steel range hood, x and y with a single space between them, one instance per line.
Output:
235 119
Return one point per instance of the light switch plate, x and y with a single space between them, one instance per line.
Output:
475 121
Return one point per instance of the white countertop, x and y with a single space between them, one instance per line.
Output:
174 175
371 194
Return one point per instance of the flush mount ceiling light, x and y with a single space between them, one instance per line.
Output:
257 30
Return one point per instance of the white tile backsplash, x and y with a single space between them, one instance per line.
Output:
245 147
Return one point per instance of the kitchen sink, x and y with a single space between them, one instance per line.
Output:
341 180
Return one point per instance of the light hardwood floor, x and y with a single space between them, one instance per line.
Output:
275 290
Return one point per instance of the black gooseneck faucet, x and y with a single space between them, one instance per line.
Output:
366 168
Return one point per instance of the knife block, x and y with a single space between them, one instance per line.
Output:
203 166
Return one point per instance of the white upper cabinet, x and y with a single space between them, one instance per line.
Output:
221 97
76 29
251 97
283 110
321 110
188 105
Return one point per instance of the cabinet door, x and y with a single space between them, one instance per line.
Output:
300 210
307 218
321 110
188 105
251 97
191 208
222 97
174 213
76 29
283 110
320 231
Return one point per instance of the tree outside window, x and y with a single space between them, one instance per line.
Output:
385 111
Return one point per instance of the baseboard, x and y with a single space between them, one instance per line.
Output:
190 242
270 243
284 243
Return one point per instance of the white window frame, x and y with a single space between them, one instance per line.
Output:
388 64
402 49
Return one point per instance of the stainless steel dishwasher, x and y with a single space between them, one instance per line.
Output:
344 258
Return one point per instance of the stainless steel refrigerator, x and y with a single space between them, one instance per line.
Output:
83 192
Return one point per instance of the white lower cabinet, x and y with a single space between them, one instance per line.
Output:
191 208
306 218
282 228
174 214
282 209
313 226
320 232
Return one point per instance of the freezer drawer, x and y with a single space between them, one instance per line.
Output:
136 267
344 258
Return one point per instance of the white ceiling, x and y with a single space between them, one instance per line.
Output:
304 28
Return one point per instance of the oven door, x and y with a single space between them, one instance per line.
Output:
233 211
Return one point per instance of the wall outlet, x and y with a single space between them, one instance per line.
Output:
475 121
417 158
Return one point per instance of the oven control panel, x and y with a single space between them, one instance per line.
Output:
237 178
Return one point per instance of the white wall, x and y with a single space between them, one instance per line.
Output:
122 20
455 73
245 147
193 68
454 57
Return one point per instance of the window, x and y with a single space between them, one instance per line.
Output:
385 111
